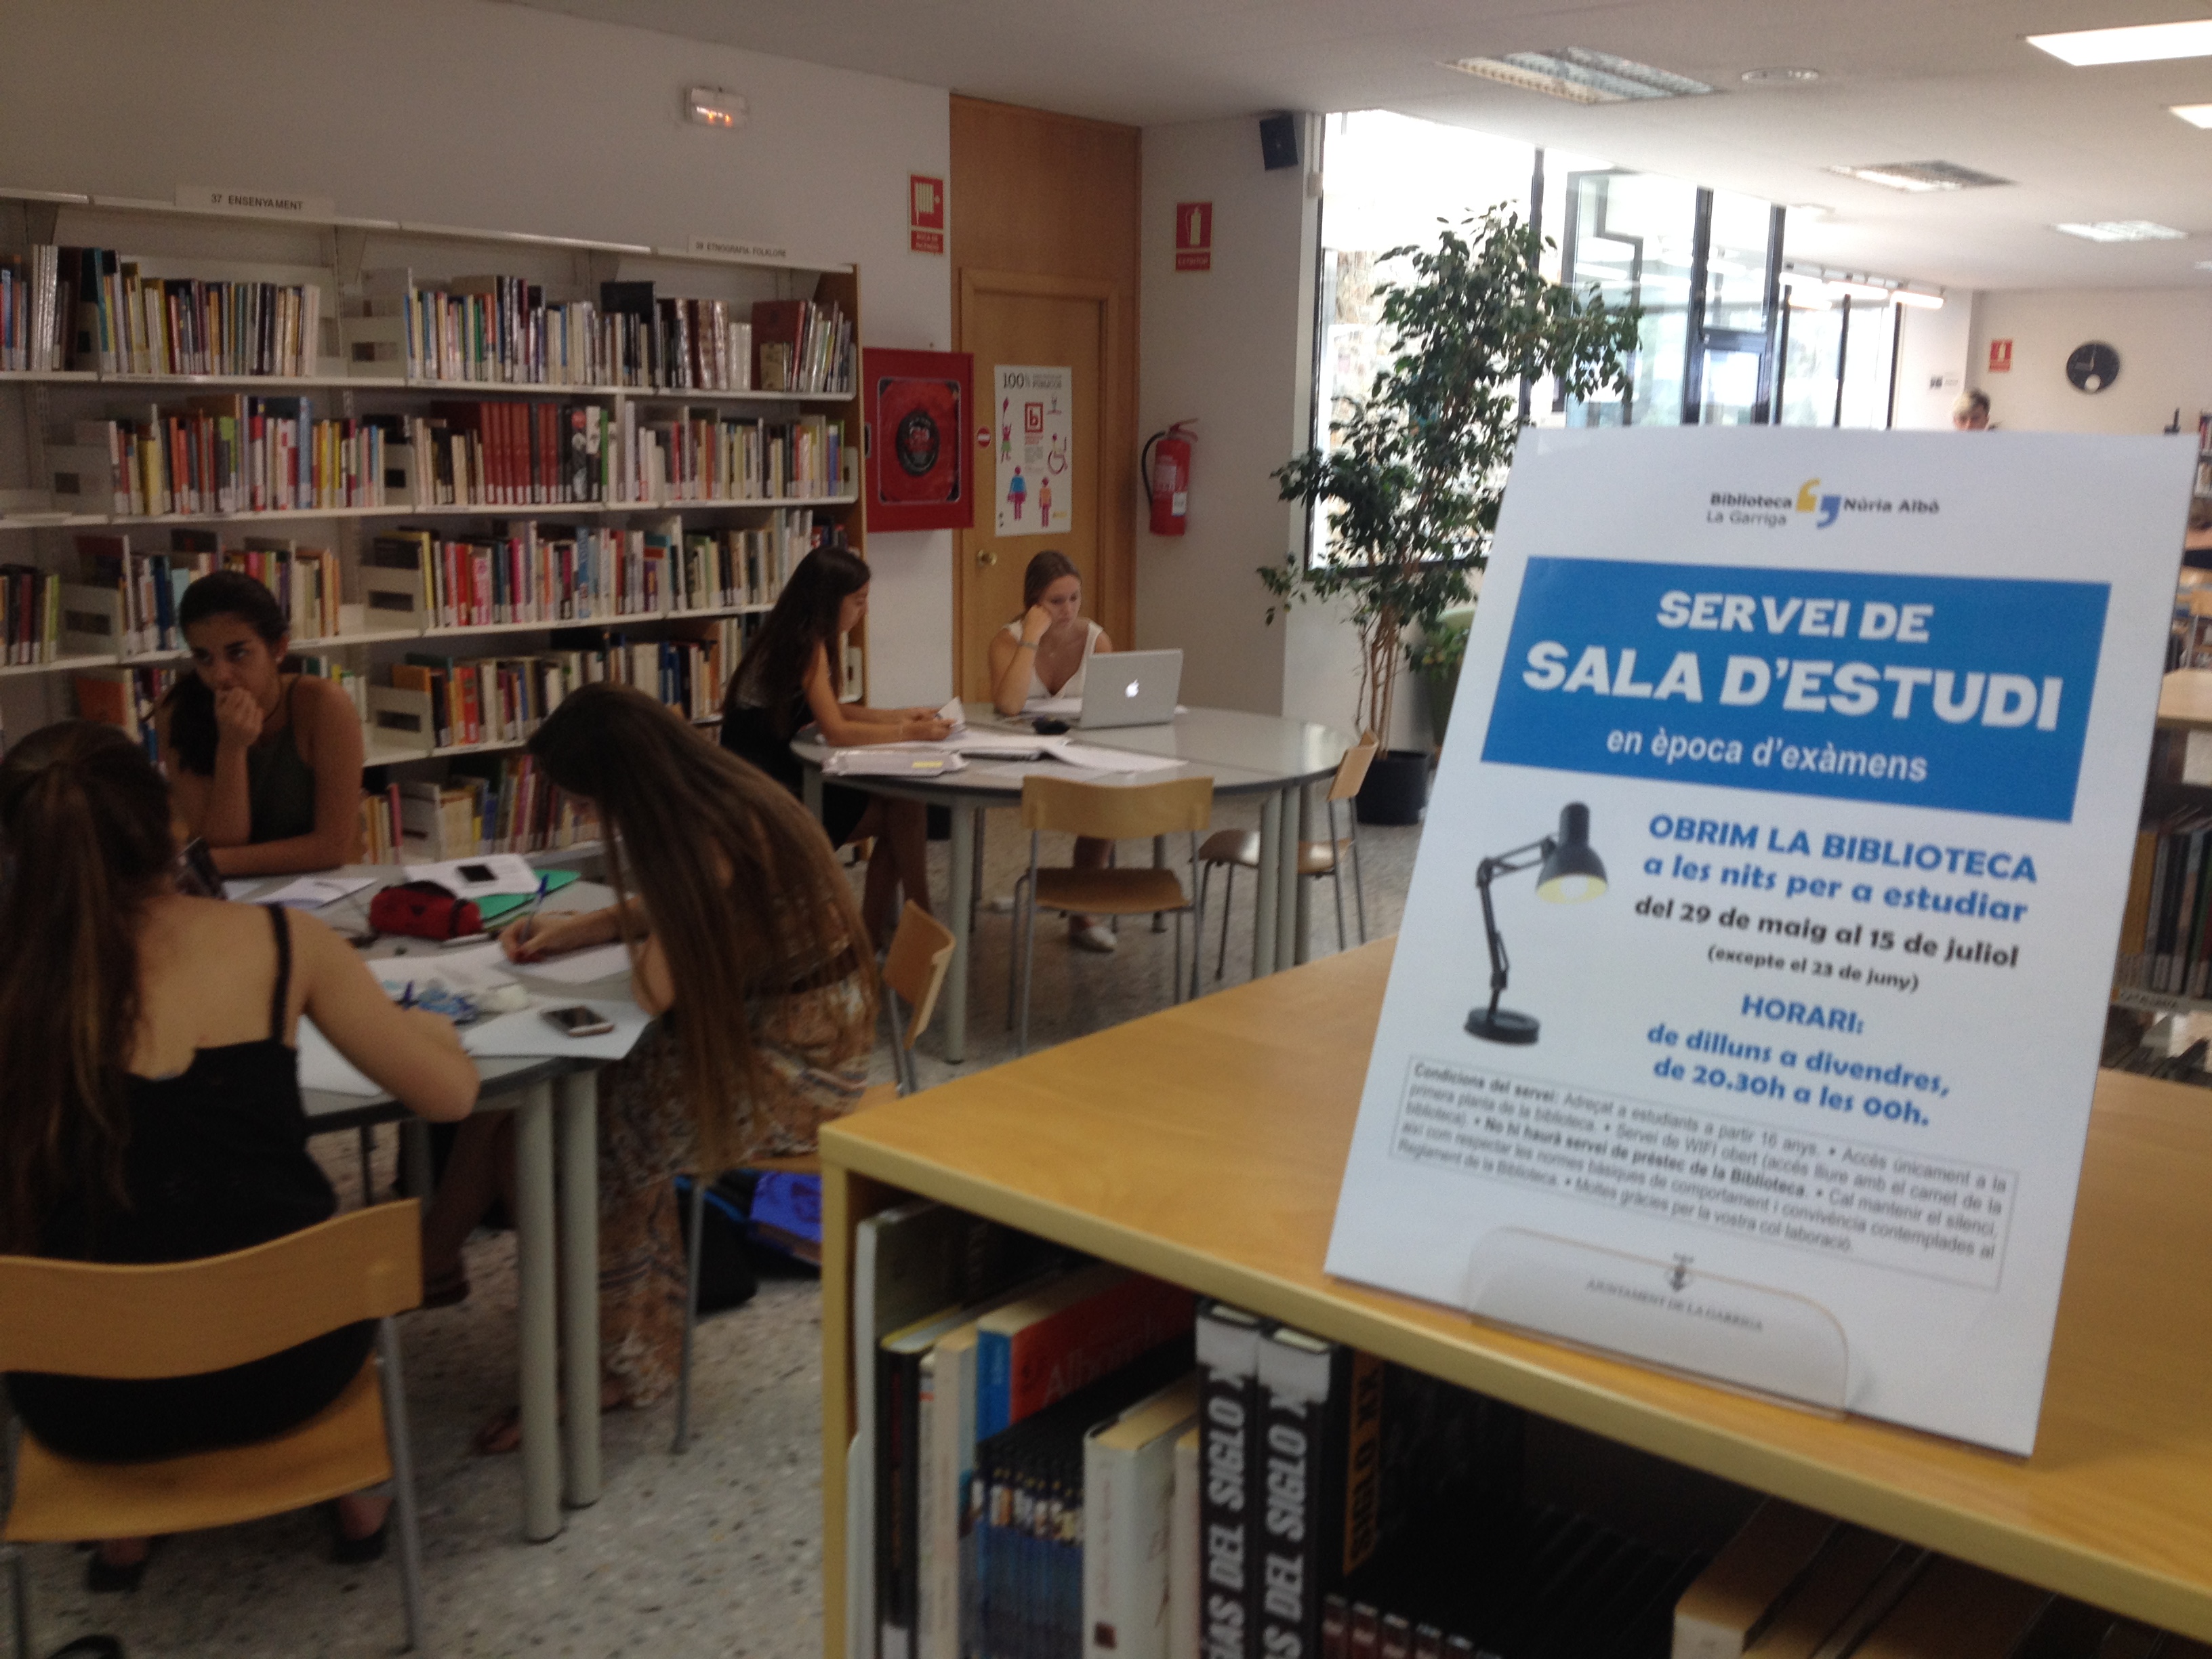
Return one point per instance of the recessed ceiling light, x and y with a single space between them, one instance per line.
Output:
2140 43
1811 210
1581 75
1780 77
2124 230
2197 115
1919 176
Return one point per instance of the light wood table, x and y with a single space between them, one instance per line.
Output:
2185 701
1205 1145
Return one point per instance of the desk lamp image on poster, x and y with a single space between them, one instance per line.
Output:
1850 730
1571 873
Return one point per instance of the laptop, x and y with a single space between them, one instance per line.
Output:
1130 688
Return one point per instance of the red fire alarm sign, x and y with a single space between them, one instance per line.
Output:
925 214
2001 356
1194 236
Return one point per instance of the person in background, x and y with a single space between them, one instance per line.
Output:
744 939
1971 412
1045 653
150 1107
792 673
265 765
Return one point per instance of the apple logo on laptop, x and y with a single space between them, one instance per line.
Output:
1130 690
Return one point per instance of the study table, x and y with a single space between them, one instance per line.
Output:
557 1284
1245 754
1205 1145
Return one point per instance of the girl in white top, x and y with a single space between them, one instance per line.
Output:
1046 652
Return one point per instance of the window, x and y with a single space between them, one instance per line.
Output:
1839 350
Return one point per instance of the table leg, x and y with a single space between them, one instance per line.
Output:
1287 953
1305 888
1265 891
535 1292
576 1107
961 905
1160 862
809 789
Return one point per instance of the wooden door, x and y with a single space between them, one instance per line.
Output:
1036 322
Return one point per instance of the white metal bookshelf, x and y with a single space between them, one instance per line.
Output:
336 252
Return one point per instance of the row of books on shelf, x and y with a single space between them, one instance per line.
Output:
132 697
528 572
89 309
235 454
1064 1460
505 329
486 803
2163 942
438 701
124 599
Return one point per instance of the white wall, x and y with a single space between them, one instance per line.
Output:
467 112
1933 348
2164 336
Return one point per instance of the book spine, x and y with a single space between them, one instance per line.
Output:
994 1377
1228 1356
1297 1486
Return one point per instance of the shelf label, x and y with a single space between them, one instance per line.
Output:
261 203
1757 949
730 248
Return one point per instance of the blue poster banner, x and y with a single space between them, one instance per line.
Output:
1970 694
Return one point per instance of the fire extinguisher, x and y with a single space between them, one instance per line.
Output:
1167 478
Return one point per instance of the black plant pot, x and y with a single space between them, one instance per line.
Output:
1397 787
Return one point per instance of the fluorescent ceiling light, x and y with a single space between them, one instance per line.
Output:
1780 77
2140 43
2124 230
1871 292
1906 297
1920 176
1581 75
1807 294
2197 115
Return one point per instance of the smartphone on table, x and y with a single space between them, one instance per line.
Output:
580 1021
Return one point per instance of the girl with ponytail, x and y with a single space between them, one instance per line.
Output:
149 1106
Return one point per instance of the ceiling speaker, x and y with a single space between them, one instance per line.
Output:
1279 141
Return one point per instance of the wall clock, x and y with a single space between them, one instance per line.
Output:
2093 366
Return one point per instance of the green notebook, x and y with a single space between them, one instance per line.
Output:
500 904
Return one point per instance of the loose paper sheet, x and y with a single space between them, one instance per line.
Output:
1859 722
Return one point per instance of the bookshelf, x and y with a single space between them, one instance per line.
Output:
1205 1145
512 317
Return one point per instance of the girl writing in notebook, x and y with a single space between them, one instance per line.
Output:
152 1101
794 674
743 936
1046 652
265 765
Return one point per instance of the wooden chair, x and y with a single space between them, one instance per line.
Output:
913 969
1107 812
1235 849
175 1319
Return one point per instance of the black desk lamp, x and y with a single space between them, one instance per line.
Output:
1572 871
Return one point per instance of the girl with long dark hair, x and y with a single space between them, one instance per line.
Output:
266 765
792 674
743 936
1046 652
149 1105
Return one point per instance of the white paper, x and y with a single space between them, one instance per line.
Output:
312 892
577 967
238 892
497 872
530 1035
322 1066
955 715
885 761
1057 708
1829 1029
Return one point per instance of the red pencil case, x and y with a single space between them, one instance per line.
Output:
422 909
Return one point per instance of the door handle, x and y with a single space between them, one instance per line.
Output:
986 555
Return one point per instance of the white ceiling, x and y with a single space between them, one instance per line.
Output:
1901 80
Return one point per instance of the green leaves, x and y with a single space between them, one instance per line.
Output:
1415 479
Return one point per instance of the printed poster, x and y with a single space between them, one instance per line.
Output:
1035 427
1795 778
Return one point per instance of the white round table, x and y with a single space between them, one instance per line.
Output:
1245 754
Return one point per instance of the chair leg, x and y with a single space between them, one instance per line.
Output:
367 1159
1029 949
19 1576
1228 895
393 1383
694 1223
1013 949
975 876
1359 887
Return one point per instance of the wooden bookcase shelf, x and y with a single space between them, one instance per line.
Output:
1205 1145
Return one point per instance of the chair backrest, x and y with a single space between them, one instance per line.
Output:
915 966
175 1318
1351 770
1116 812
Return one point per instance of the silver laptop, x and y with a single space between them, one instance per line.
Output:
1130 688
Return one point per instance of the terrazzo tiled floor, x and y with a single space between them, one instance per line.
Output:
713 1553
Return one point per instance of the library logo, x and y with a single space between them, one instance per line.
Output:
1809 499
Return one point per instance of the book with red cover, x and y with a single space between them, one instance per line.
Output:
1043 1348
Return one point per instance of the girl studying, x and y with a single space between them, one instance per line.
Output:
264 766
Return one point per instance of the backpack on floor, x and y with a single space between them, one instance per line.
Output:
725 1269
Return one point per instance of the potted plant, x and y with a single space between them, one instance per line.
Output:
1412 483
1436 660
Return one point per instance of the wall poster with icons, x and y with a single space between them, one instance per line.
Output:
1749 1005
1035 413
